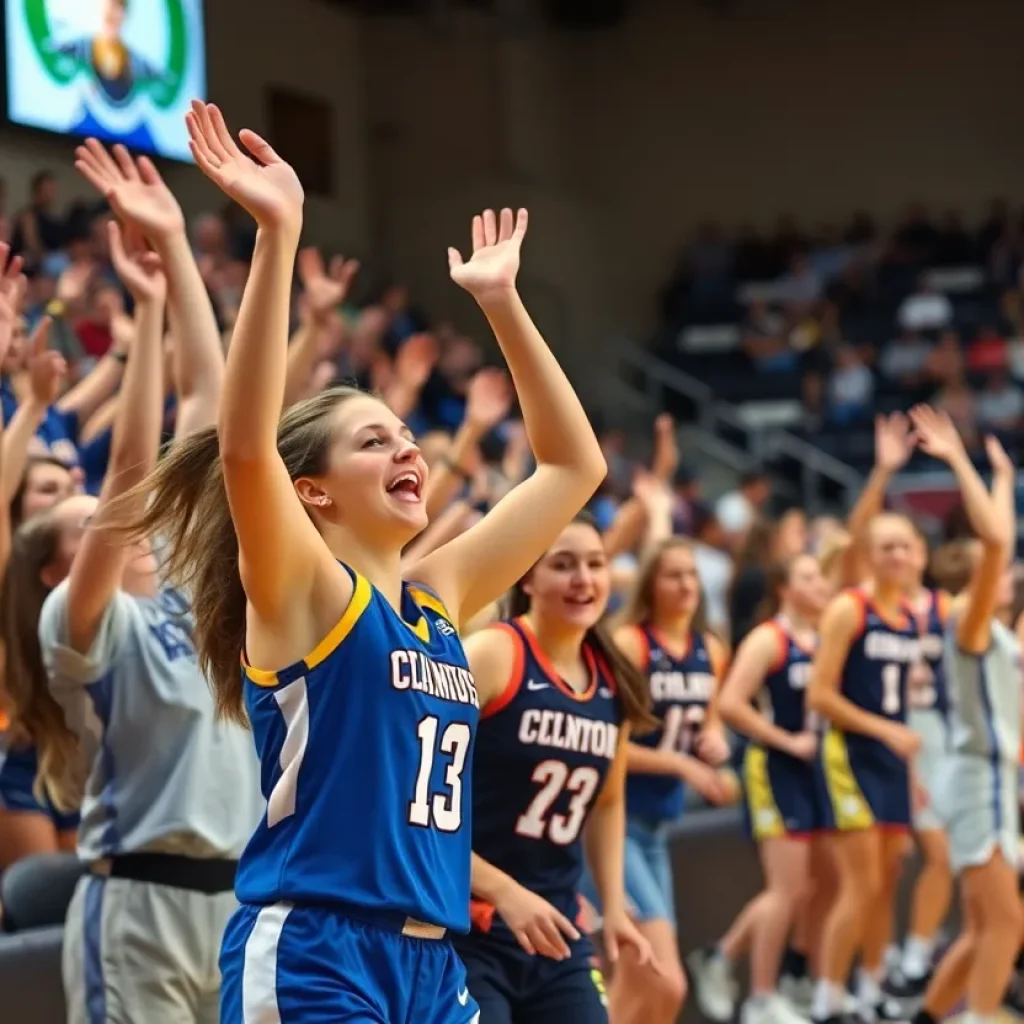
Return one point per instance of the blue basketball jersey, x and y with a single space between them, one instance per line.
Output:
928 690
365 749
681 690
782 697
543 754
875 674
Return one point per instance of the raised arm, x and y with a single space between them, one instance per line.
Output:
281 555
484 562
894 444
759 652
991 516
102 556
139 196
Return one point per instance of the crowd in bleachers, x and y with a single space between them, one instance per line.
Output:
836 325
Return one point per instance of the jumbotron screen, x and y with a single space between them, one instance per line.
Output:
122 70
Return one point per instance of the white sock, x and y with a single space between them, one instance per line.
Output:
869 989
719 954
892 957
917 956
827 1000
977 1018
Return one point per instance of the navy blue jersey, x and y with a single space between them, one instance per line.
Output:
543 754
928 690
681 690
876 671
366 748
786 683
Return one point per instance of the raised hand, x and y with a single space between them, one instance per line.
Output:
416 359
12 291
134 189
263 184
997 457
651 491
72 283
936 433
894 442
488 398
46 369
493 266
325 290
140 271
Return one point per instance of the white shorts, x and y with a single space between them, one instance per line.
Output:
931 766
978 803
135 951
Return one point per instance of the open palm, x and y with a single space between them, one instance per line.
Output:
497 241
325 289
140 271
134 189
12 290
263 185
936 432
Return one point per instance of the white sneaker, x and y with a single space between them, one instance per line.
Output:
798 992
713 985
773 1010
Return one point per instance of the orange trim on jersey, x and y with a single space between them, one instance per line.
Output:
645 646
481 915
718 657
5 720
667 644
604 670
943 605
515 676
545 663
867 601
782 656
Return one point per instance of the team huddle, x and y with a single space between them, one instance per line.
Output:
466 770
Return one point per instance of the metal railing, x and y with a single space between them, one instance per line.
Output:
657 380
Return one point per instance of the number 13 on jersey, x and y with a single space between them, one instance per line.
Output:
440 809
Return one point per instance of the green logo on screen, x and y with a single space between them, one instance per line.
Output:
104 58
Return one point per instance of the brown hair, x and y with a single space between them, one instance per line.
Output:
640 603
952 565
186 503
35 714
631 686
776 580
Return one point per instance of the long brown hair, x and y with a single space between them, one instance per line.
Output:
630 684
640 603
18 499
34 713
186 503
776 580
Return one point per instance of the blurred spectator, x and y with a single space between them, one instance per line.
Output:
802 283
946 361
851 387
992 230
958 401
954 247
689 510
916 240
988 352
752 260
737 510
404 320
861 230
765 339
905 359
39 230
1000 405
926 309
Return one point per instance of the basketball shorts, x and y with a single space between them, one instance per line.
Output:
866 784
980 809
931 766
784 795
311 965
17 778
135 951
511 986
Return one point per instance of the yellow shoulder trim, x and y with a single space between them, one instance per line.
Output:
426 599
359 603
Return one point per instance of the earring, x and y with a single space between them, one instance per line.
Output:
323 501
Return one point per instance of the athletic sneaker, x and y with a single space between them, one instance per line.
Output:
887 1011
713 985
899 986
772 1010
798 992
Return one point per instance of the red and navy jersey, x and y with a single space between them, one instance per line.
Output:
876 672
542 755
785 685
682 687
927 688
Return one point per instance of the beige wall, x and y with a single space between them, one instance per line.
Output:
622 141
312 49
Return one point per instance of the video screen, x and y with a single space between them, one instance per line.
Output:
122 70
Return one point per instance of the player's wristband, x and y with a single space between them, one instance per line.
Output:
55 308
